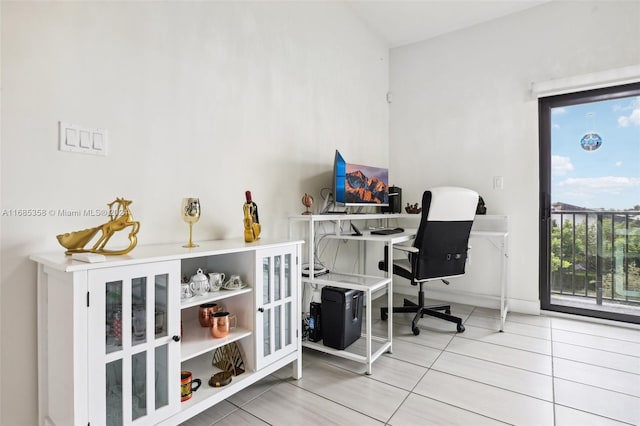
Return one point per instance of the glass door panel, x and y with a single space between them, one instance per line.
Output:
113 380
113 316
161 295
277 323
266 280
162 379
266 332
287 324
138 310
277 278
287 275
139 385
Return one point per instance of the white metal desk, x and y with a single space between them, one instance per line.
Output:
490 227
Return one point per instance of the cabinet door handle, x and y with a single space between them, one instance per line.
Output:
176 338
261 309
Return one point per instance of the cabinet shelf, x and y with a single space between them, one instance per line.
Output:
354 281
197 340
206 395
212 297
357 351
202 369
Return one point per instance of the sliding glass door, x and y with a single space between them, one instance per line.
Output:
590 203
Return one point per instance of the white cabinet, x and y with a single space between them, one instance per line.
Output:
113 337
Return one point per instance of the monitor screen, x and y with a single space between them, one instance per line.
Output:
358 184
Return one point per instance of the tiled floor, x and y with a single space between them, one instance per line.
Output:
540 371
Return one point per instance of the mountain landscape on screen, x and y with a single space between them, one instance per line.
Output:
363 189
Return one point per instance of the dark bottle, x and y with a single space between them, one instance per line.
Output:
254 207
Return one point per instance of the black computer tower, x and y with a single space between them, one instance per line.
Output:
395 201
315 322
341 316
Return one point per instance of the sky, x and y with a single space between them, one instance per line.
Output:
607 177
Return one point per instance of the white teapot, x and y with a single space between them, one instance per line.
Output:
199 283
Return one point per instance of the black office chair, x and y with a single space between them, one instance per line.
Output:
439 251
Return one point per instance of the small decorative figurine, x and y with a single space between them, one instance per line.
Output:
121 218
307 201
481 208
229 358
413 209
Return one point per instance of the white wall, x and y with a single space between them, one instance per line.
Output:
199 98
462 113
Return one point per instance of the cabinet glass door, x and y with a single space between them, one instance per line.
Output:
137 358
276 300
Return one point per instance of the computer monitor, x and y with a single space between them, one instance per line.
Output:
358 184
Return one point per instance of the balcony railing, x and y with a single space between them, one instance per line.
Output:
596 255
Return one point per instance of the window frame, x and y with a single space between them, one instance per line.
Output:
545 105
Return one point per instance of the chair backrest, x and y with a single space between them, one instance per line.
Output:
443 235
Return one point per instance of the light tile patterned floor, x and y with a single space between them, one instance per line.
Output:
540 371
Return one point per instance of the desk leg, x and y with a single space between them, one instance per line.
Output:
390 316
368 326
504 308
389 274
311 248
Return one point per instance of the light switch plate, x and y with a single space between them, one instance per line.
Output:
75 138
71 136
85 139
498 182
98 140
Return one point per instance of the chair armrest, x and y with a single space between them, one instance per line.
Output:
406 249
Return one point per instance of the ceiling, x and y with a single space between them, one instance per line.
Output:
401 22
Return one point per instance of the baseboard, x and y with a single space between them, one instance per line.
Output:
531 307
584 318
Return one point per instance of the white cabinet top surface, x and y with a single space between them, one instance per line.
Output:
158 253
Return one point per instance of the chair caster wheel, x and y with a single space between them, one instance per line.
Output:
416 331
460 328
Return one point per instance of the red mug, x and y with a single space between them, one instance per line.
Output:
188 385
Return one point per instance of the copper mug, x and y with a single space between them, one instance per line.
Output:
221 324
206 311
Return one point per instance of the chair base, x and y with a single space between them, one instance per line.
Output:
434 311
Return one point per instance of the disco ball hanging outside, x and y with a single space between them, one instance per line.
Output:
591 141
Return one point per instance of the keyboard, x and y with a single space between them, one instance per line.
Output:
387 231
